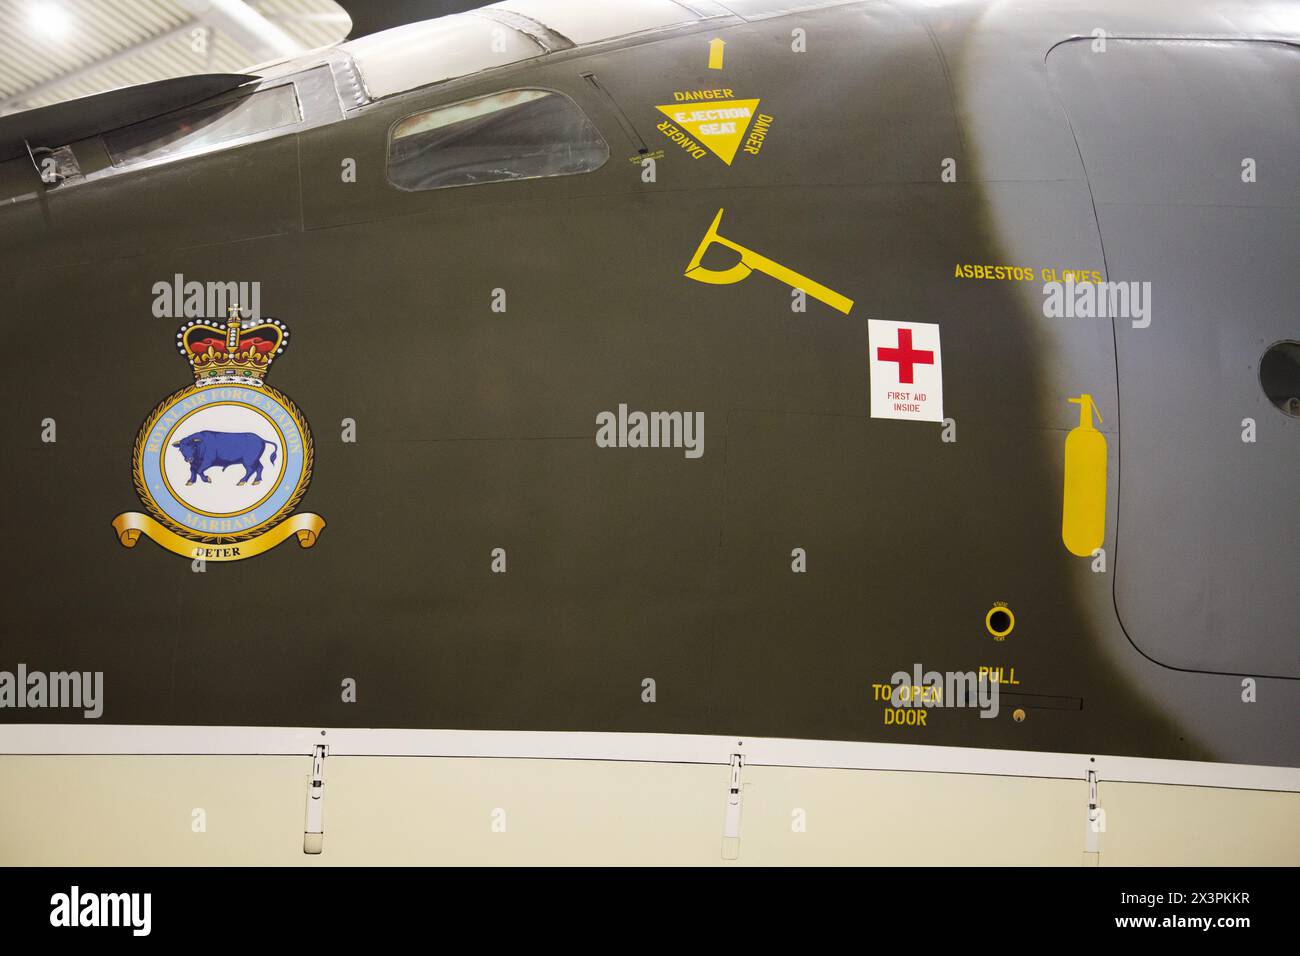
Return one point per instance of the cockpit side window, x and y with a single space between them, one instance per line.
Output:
203 128
520 134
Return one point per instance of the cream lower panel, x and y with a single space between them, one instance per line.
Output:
98 810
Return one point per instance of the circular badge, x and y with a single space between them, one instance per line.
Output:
222 463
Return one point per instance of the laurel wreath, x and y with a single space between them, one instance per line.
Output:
146 497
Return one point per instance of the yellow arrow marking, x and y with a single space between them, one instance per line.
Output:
715 54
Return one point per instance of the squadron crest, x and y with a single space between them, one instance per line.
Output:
221 464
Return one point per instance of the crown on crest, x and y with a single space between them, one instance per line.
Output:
241 351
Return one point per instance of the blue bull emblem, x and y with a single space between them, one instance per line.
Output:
208 449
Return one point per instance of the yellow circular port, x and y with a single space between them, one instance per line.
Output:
1018 714
1000 621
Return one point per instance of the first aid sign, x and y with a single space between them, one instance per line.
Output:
906 371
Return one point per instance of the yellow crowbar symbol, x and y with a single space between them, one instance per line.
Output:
751 261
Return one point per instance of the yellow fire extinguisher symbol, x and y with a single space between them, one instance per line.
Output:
1083 516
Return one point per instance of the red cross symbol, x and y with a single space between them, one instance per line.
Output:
905 356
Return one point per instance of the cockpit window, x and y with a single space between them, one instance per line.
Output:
522 134
202 128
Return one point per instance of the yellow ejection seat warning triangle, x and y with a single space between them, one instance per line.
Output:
719 125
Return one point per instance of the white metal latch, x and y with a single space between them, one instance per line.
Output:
313 837
731 824
1096 823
